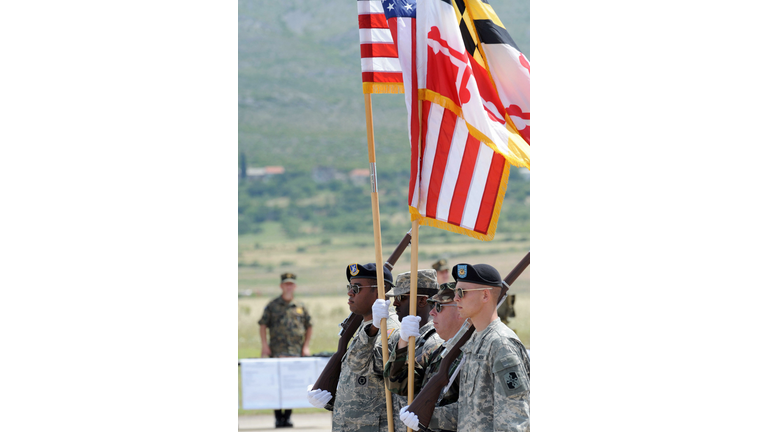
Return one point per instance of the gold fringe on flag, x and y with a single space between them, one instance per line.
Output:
423 220
382 88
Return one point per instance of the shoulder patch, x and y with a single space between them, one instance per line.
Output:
510 375
505 362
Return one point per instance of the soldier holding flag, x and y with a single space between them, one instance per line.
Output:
426 338
446 321
360 404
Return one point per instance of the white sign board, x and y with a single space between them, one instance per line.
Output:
279 383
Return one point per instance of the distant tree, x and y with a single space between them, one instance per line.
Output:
243 165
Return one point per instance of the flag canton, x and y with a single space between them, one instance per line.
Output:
399 8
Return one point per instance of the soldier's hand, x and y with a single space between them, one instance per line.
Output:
409 327
305 352
408 418
380 310
318 398
266 352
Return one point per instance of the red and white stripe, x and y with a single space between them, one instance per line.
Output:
378 54
460 176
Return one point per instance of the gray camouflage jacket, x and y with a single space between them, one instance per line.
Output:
495 385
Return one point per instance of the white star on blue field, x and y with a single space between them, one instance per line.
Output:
399 8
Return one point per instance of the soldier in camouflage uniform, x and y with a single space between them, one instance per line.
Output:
360 404
507 309
495 374
427 341
447 323
290 329
443 271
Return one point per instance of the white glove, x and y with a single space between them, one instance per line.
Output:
409 327
409 419
380 310
318 398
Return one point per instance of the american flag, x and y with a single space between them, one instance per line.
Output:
378 53
459 173
401 17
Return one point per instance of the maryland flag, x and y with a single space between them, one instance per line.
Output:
488 42
472 112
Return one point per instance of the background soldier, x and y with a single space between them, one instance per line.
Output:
443 271
290 328
360 404
427 340
507 309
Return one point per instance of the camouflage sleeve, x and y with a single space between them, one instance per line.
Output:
445 417
396 372
393 335
511 399
266 317
307 318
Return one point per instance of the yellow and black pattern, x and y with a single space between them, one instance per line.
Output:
479 23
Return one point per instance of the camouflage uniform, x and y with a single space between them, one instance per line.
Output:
425 367
396 369
287 323
449 419
507 309
495 383
360 404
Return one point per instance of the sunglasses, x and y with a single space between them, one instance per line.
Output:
460 291
438 307
400 298
355 288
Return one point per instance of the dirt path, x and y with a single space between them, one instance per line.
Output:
319 422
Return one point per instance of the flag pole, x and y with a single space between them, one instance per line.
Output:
412 306
377 243
414 274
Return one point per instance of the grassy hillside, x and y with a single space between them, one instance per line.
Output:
300 98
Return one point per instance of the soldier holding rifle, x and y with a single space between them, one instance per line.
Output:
359 403
427 340
447 323
495 375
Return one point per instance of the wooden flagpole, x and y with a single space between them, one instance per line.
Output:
414 278
412 306
377 243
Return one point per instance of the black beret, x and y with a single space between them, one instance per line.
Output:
290 277
482 274
367 271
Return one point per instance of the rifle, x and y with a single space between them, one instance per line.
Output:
329 377
398 251
424 404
